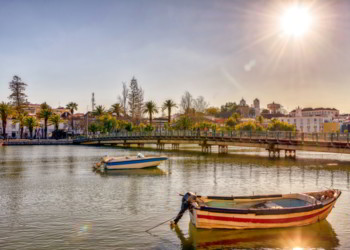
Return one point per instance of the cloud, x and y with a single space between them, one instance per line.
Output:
250 65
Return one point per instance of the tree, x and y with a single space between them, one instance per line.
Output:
214 111
18 97
6 110
99 111
249 126
228 109
108 123
45 113
260 119
93 127
20 118
200 105
150 108
231 122
116 108
124 98
186 103
149 128
128 127
135 100
55 119
184 123
30 122
236 116
169 104
265 111
72 106
277 125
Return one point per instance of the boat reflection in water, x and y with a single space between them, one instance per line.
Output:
318 235
154 171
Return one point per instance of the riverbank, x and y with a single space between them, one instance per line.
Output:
21 142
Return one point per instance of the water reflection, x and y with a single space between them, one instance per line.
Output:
132 172
319 235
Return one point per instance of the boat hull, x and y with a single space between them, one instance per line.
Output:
134 164
219 218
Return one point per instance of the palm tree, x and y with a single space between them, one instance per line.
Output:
55 119
260 119
169 104
72 106
116 108
150 108
5 111
45 113
30 122
99 110
20 118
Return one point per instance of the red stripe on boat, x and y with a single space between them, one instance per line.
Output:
285 220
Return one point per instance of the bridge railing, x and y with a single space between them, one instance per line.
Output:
238 135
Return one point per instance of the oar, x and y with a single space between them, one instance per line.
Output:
159 224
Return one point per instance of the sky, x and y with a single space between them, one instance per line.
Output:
223 50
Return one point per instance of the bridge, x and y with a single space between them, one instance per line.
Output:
273 142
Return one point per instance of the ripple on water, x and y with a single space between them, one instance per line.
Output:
50 198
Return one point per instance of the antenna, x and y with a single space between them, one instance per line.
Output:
93 101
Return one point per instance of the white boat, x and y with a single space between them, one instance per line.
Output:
130 162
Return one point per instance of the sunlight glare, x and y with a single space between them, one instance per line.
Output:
296 21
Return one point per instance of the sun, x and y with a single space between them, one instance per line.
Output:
296 21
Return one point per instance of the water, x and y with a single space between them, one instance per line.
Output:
51 199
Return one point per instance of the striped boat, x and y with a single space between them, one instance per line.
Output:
261 211
129 162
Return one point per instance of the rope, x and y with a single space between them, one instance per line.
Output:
159 224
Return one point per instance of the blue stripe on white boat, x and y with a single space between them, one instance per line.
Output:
135 161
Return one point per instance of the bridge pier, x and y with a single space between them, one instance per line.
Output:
206 148
223 149
175 146
274 153
160 146
288 153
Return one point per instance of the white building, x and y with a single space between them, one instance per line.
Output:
324 112
307 124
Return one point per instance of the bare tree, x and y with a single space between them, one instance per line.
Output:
200 105
186 103
124 98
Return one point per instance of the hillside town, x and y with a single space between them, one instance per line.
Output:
131 113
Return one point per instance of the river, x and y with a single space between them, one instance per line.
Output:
50 198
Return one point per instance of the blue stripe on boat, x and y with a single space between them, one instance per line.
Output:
135 161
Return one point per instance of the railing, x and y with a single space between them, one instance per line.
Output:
189 134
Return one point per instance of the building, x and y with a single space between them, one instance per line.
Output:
274 108
308 124
256 106
327 112
243 108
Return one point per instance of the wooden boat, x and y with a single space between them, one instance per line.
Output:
129 162
260 211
